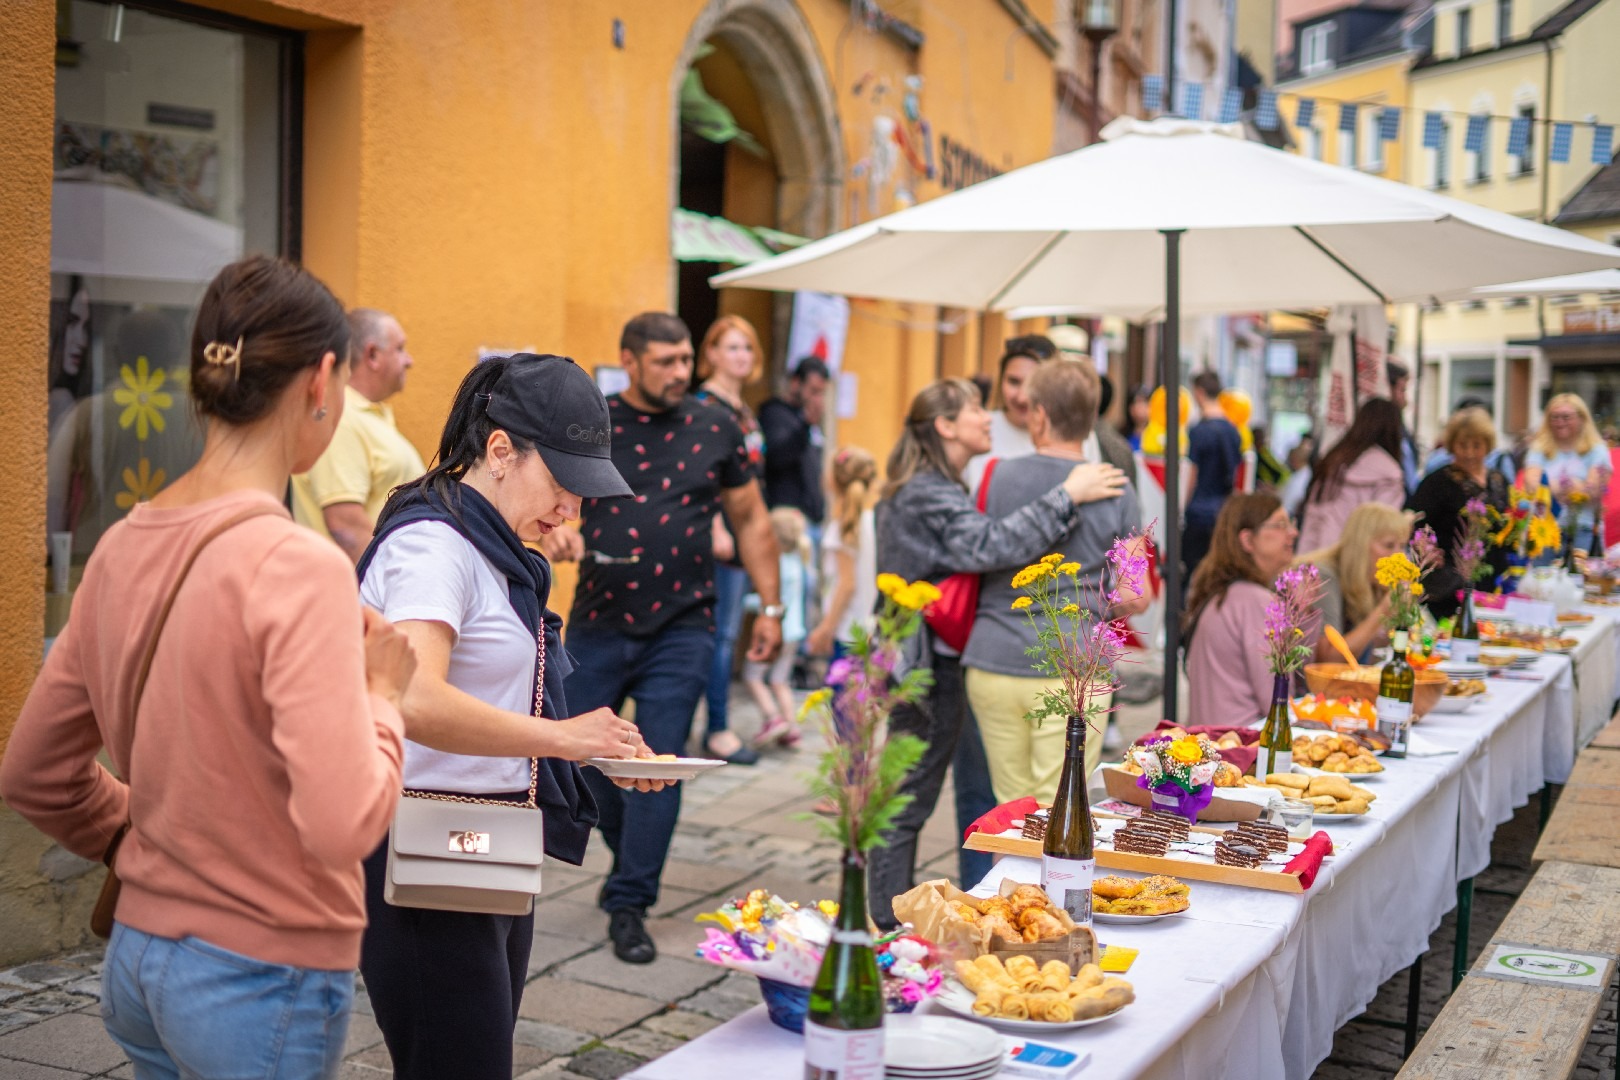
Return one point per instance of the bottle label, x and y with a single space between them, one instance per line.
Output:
839 1054
1465 650
1068 883
1394 720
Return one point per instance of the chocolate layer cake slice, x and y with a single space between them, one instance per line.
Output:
1139 841
1035 824
1178 825
1238 853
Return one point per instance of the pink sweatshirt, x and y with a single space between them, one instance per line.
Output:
1228 680
1372 477
263 770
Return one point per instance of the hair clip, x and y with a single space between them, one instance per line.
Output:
222 353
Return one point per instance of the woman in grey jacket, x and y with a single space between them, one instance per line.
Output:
928 527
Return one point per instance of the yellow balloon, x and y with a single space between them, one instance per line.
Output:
1156 407
1153 438
1237 406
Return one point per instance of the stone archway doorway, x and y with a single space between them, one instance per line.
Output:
758 58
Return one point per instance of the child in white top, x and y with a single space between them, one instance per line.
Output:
771 683
849 555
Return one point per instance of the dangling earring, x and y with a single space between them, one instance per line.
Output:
320 413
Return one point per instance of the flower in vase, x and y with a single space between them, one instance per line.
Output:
1187 751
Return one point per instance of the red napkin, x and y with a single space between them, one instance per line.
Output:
1001 818
1309 861
1242 757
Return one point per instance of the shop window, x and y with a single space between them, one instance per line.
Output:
170 160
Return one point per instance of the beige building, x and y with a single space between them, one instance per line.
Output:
1500 59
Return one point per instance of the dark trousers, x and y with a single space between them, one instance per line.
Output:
1195 539
974 796
937 720
730 586
445 985
665 675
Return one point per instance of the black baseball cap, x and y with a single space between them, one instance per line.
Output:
555 403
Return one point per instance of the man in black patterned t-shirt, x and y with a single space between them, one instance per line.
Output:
642 624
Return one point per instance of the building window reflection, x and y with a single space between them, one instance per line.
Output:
169 162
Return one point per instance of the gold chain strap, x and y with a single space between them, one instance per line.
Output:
534 763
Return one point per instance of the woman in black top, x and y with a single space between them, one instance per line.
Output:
1440 498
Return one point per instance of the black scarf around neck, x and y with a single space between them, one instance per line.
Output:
569 809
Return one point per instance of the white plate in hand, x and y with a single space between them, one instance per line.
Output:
959 999
681 768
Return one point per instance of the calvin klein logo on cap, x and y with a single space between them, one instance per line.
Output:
582 433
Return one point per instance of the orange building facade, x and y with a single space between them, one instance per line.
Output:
500 175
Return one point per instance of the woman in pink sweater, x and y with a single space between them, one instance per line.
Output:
1364 466
1228 681
266 760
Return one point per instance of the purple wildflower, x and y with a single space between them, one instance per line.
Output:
1426 549
839 671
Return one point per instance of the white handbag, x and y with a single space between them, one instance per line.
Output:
466 853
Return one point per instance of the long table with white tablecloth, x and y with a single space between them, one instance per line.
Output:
1252 984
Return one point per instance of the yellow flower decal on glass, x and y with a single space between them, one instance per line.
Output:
143 398
140 485
889 584
1021 603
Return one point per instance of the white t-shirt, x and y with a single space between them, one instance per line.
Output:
429 572
864 598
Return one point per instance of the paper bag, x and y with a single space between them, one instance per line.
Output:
928 909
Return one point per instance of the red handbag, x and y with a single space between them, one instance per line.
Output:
951 616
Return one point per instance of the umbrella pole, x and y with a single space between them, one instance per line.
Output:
1172 468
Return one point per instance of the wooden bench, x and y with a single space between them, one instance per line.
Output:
1582 827
1513 1029
1609 737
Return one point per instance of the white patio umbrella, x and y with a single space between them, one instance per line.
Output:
1596 281
1174 217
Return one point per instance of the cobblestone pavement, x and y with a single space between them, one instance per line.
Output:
585 1014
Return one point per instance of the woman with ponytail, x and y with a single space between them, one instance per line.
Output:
849 554
928 527
527 439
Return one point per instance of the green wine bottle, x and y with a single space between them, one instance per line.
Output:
1394 707
1277 737
1465 635
1068 861
843 1030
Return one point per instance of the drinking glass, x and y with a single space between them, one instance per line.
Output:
1296 815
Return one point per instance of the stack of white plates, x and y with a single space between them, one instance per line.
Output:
1461 669
939 1048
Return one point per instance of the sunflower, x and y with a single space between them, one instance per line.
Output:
143 398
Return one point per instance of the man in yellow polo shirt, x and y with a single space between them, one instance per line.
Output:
345 491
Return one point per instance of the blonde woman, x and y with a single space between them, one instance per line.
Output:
1572 460
849 554
1350 600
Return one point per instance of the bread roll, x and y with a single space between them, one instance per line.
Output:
1297 781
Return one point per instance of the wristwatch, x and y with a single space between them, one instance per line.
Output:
773 611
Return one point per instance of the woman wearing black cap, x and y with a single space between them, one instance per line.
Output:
527 438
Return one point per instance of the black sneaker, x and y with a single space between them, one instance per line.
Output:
631 942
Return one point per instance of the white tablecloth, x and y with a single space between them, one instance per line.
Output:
1252 985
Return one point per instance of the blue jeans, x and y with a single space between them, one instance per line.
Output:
730 586
190 1009
665 675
